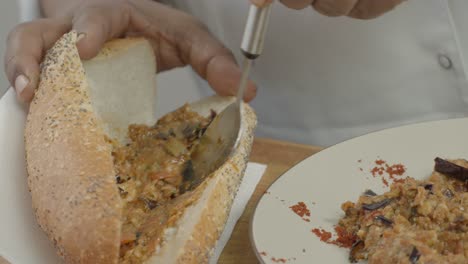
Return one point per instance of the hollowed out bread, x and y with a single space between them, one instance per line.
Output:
69 162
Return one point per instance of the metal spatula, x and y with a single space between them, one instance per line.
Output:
223 134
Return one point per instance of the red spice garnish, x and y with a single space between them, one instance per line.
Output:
344 239
385 182
395 169
390 170
377 170
278 260
380 162
301 210
398 180
322 234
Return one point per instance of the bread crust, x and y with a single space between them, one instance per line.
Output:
70 169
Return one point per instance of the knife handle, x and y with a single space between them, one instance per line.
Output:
255 31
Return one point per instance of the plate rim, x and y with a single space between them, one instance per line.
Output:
251 220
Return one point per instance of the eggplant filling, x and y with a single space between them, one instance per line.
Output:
415 222
150 171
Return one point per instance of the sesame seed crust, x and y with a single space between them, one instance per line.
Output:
70 168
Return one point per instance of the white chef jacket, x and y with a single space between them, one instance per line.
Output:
323 80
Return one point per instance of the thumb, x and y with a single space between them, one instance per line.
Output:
26 45
98 24
92 29
223 74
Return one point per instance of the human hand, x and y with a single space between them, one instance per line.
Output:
362 9
178 39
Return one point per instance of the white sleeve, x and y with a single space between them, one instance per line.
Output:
29 10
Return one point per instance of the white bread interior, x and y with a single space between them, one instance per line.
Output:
120 85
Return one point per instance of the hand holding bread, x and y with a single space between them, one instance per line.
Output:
178 39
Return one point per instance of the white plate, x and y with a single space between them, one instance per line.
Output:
327 179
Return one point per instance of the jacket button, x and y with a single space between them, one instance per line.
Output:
445 61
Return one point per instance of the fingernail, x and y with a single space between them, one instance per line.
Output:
20 84
80 36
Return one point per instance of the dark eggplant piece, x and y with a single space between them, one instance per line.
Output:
172 132
188 175
189 130
122 192
213 114
376 205
151 204
414 256
384 220
356 253
428 187
451 169
188 172
161 135
201 131
448 193
119 179
369 192
138 235
413 214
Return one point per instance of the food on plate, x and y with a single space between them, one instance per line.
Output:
105 178
415 222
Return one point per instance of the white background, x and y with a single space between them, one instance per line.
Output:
8 18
